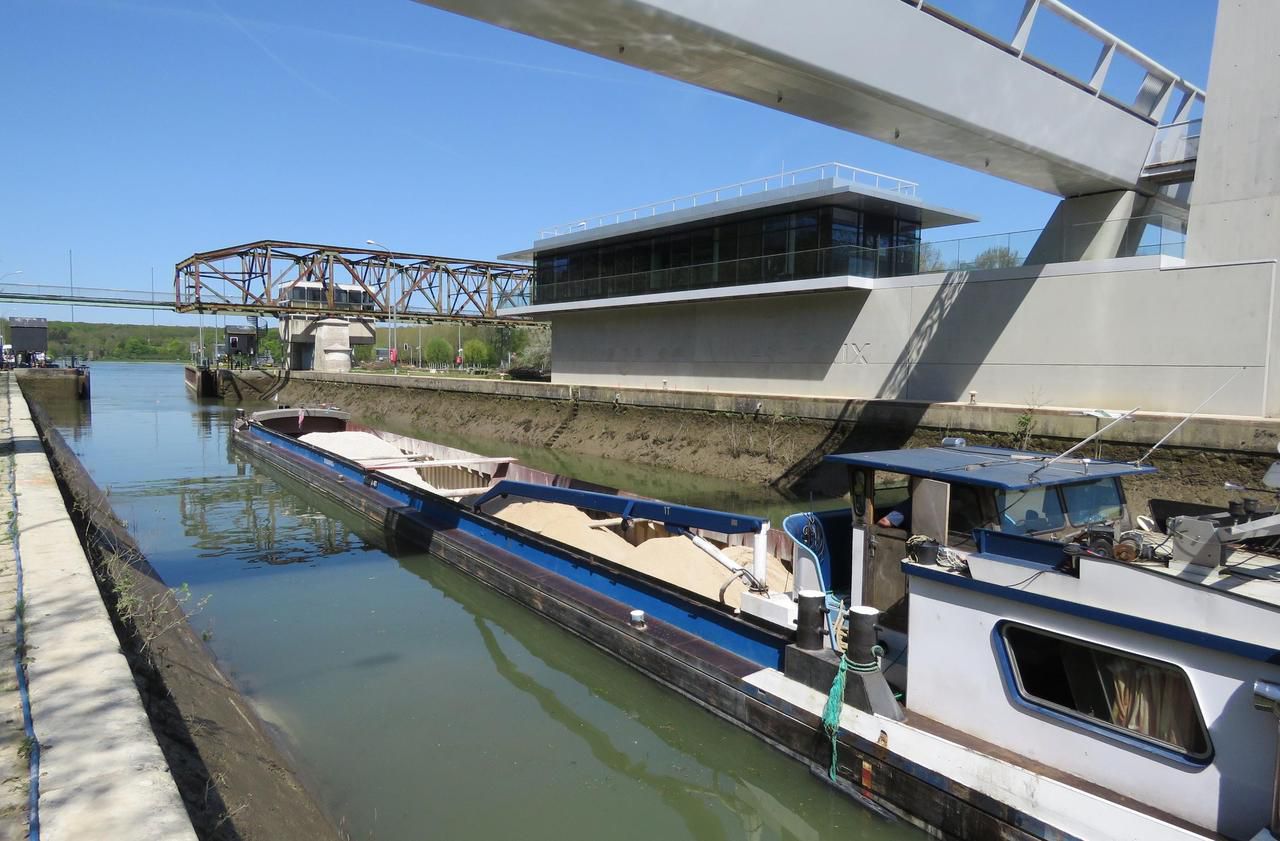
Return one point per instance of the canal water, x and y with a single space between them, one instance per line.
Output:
417 702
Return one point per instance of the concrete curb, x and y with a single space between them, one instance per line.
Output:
102 773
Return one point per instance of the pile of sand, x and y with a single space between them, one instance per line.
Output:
361 446
674 559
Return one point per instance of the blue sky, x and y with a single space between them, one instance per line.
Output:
137 132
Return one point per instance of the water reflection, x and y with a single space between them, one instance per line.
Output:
241 517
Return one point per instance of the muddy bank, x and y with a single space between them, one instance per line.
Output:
762 449
236 782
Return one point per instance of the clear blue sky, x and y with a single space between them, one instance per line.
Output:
137 132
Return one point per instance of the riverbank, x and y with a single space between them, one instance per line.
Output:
235 782
780 441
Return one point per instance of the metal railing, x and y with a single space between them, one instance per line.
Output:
835 261
820 172
1158 85
1133 236
84 295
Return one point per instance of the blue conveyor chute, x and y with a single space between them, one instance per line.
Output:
630 508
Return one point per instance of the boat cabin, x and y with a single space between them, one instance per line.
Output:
948 492
1115 654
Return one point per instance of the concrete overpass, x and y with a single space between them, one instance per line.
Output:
899 71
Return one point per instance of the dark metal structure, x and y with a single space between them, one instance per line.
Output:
28 336
282 278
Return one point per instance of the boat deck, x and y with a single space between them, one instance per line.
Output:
1244 573
645 546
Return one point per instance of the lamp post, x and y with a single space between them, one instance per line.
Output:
391 290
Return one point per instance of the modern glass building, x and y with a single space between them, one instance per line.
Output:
830 226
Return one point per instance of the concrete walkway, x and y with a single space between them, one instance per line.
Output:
102 774
14 745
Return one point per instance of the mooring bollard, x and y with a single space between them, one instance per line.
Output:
861 647
809 620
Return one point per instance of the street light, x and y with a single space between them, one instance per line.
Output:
395 356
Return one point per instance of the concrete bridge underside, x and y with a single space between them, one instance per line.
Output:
879 68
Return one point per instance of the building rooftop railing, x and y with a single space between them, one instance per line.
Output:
790 178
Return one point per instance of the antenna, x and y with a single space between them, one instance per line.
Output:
1082 442
1190 414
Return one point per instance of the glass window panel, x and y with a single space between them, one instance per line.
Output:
590 264
1116 690
727 242
680 250
702 246
775 234
750 238
1030 511
806 230
1093 502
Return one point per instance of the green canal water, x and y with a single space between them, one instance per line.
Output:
417 702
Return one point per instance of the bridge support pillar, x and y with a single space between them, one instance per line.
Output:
1235 198
332 346
1094 227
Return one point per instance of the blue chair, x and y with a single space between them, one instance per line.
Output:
806 531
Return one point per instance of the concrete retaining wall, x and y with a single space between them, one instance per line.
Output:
1251 435
1107 334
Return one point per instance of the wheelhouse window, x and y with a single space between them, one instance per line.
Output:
1117 691
1030 510
1093 502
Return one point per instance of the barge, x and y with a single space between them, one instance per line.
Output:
1020 657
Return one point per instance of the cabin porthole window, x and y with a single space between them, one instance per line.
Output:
1121 694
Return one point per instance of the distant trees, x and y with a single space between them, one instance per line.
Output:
537 351
997 257
438 352
931 259
476 352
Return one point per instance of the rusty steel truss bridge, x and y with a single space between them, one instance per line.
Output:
286 279
303 279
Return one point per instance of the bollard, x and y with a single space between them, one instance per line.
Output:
809 620
862 635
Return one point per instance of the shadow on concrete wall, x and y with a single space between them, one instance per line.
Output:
950 342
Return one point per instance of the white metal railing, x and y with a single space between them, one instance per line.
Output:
819 172
1158 85
88 295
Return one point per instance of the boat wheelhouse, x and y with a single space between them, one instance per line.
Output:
1028 609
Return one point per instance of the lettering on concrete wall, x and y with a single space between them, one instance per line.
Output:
854 353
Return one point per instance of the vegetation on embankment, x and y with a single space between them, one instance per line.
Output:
158 343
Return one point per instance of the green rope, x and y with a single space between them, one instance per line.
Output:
831 713
835 702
